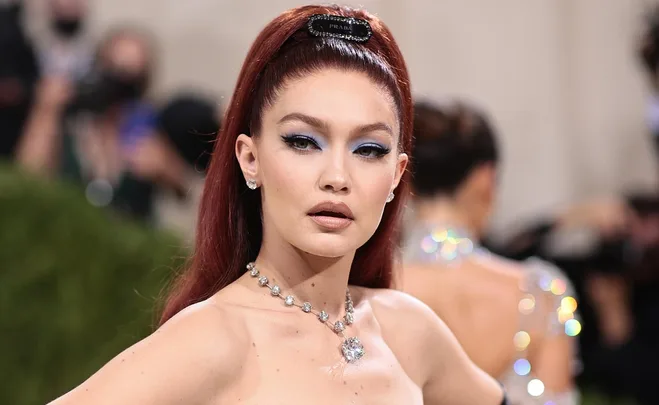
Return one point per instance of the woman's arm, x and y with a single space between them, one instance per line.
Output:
553 361
552 351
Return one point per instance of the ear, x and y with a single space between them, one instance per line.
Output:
247 156
401 165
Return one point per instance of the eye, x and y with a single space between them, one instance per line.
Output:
372 151
300 142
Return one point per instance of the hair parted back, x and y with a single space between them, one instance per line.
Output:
229 229
450 140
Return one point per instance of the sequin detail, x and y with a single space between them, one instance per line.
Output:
543 284
439 244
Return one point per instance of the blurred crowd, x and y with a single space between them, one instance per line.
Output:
80 109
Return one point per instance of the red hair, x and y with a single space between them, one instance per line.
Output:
229 231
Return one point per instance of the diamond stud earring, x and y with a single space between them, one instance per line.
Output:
251 184
390 197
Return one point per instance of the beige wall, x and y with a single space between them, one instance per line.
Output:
559 77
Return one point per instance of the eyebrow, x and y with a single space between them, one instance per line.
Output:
323 126
309 120
378 126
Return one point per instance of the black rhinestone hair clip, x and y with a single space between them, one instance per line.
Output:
334 26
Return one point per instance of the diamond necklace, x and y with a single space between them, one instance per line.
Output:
351 348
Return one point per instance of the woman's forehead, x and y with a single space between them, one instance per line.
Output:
339 97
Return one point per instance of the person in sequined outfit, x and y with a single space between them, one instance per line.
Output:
515 321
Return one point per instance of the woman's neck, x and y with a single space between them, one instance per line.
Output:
321 281
443 210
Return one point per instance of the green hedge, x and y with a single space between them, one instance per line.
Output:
77 286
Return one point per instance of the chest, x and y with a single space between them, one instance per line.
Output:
324 384
309 369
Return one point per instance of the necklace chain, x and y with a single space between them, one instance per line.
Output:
338 327
352 348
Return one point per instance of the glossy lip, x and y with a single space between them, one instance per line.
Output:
330 206
329 222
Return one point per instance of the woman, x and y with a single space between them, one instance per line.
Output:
313 148
512 321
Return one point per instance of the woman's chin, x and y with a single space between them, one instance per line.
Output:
330 246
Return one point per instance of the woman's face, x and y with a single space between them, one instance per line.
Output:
127 55
326 159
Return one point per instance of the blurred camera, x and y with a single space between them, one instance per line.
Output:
100 90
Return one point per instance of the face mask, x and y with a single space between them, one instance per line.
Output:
67 27
124 88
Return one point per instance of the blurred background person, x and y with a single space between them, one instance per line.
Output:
19 72
67 50
648 53
190 122
102 133
609 247
504 314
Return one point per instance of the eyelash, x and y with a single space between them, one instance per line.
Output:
373 151
378 151
292 140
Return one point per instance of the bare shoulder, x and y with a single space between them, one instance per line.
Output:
189 359
429 352
409 326
402 315
501 266
392 305
487 268
209 333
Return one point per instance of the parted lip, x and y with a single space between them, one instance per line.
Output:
331 208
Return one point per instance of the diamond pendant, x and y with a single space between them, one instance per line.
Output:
352 349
